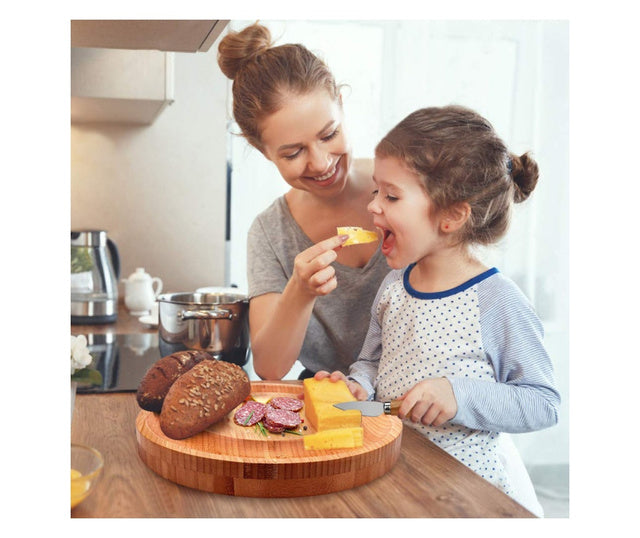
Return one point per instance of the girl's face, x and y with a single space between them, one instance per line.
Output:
306 141
402 211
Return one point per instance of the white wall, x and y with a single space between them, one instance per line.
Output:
160 190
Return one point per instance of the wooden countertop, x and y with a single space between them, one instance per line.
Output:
425 481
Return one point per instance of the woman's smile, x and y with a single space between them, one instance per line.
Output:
328 177
325 176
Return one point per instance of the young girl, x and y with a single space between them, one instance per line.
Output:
454 339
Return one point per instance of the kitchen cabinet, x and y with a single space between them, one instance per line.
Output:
120 86
123 71
162 35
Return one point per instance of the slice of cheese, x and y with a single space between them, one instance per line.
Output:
319 397
357 235
338 438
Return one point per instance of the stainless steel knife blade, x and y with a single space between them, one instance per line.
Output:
370 408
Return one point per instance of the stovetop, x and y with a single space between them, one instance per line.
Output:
123 359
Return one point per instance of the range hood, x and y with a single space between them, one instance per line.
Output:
162 35
122 71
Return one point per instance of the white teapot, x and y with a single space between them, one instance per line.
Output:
139 292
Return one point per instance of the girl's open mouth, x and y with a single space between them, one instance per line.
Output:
388 241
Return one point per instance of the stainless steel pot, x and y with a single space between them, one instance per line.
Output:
216 322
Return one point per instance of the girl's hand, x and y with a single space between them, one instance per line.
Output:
356 389
431 402
312 269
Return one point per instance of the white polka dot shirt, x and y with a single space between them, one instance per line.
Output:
485 338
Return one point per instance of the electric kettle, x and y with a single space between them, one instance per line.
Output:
95 270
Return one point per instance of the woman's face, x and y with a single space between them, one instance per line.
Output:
306 141
403 211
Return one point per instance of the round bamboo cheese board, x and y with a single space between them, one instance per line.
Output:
236 460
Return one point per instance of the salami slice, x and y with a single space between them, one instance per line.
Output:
289 404
280 418
272 427
250 413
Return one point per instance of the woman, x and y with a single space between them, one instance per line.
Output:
309 297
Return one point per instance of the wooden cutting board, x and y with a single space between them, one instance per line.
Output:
236 460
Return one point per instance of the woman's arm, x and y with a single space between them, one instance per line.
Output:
277 332
278 321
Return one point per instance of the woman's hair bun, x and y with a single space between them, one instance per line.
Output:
524 172
238 47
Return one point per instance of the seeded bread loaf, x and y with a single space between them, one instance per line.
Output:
201 397
158 379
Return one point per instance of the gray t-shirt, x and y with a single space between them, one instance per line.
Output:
340 320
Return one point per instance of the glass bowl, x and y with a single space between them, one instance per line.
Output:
86 467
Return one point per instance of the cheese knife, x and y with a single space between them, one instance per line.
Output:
372 409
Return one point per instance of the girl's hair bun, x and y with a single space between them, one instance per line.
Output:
238 47
524 172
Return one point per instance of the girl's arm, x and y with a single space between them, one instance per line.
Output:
365 369
362 373
525 397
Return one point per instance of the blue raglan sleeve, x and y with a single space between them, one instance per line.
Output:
525 397
365 369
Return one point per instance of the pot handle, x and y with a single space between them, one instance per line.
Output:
218 313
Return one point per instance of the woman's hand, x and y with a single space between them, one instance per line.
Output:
431 402
356 389
279 321
313 273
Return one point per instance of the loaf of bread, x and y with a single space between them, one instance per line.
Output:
201 397
158 379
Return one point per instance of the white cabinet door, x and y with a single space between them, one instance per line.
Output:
120 86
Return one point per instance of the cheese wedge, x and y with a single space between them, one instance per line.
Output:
357 236
319 397
339 438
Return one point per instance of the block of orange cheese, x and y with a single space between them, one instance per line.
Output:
357 235
319 397
338 438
